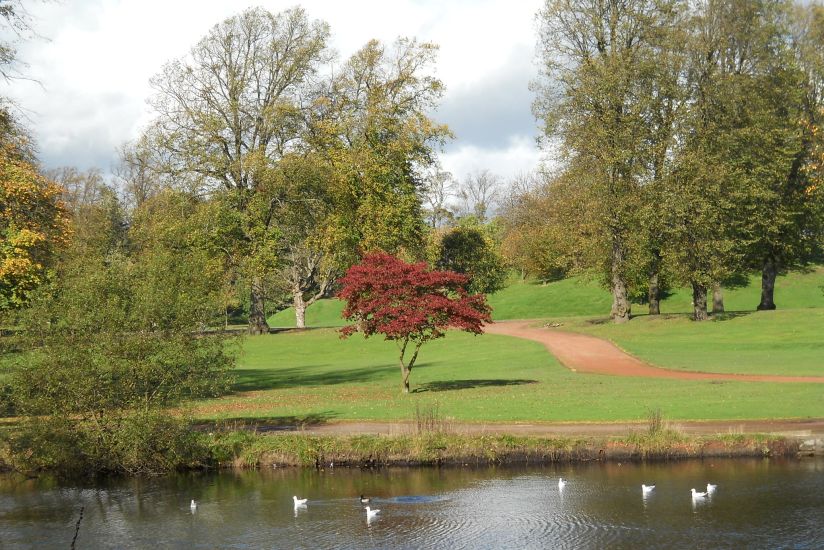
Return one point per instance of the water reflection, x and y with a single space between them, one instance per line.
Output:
759 503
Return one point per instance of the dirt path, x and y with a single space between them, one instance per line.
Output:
583 353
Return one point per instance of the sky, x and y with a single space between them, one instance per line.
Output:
93 59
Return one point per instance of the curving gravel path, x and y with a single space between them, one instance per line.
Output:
583 353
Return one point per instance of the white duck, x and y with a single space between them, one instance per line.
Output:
647 489
711 488
370 513
698 496
193 506
300 501
561 483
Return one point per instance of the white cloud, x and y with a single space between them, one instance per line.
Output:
520 155
96 65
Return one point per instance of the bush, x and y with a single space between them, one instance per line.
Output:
117 338
135 443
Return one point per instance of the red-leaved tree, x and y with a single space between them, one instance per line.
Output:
409 304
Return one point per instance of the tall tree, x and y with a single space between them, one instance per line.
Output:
381 142
438 189
309 262
595 98
667 102
785 217
240 99
98 219
740 139
34 224
137 171
479 194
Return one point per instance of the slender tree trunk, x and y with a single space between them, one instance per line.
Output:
257 310
699 302
768 274
717 298
654 289
300 308
620 299
404 370
405 376
654 294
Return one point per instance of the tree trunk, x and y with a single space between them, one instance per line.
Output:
717 298
654 294
699 302
257 310
620 300
300 308
405 376
768 273
404 370
654 289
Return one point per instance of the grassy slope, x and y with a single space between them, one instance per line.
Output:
583 298
787 342
315 375
578 297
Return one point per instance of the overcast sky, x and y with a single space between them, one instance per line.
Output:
96 57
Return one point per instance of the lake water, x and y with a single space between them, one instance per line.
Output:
758 504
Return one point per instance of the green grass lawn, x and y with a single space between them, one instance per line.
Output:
314 375
578 297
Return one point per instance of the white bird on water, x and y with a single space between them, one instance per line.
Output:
711 488
698 496
647 489
193 506
299 501
561 483
370 513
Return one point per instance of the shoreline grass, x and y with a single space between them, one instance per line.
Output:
250 450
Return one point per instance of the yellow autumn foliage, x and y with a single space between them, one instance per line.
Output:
33 225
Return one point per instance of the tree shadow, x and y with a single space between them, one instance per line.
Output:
724 316
727 315
266 379
599 321
450 385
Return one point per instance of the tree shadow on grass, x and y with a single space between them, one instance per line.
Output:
724 316
727 315
295 377
450 385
